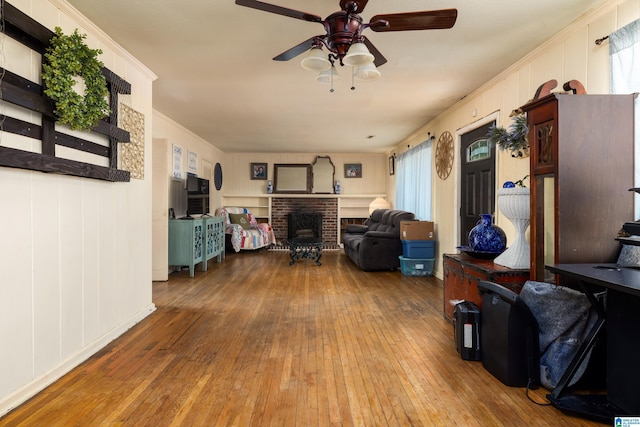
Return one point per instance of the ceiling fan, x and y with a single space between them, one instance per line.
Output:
344 29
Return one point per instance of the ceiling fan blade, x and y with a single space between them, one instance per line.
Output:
360 5
427 20
296 50
279 10
378 59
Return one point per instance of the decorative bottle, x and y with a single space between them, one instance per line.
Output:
337 188
269 187
486 236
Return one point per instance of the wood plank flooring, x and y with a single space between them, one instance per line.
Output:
256 342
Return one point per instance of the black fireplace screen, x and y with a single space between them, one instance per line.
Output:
304 224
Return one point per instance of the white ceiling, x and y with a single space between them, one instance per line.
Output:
217 78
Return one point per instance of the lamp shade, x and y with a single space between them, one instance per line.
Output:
328 76
378 203
315 60
367 72
358 54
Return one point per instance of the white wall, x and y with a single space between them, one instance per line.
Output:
75 258
166 133
572 54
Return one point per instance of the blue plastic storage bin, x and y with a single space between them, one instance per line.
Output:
423 249
416 267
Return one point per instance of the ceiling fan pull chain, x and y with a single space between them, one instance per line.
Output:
332 69
353 82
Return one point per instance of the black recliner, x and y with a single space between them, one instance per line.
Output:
376 245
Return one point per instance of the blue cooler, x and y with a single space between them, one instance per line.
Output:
416 266
422 249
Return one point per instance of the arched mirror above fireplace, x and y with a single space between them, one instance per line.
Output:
323 174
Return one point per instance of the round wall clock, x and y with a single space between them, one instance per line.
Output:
444 155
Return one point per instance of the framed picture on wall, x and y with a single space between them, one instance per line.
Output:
353 170
177 162
192 162
258 171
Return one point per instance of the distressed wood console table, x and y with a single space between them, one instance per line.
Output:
463 272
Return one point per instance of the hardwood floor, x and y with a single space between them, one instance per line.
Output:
254 341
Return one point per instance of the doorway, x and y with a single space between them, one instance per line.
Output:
477 178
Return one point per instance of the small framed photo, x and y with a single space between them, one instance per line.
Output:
392 165
353 170
258 171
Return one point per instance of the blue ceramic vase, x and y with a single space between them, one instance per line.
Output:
487 237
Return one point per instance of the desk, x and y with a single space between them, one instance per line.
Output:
622 322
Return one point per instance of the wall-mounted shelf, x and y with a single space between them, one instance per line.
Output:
259 205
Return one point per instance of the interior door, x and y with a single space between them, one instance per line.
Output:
478 176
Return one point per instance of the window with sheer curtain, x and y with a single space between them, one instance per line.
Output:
413 181
624 53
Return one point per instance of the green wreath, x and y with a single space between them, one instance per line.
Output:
68 57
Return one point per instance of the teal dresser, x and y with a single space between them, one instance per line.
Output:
213 239
194 241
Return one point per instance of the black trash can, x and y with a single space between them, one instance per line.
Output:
509 338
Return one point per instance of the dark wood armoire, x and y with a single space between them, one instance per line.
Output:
582 168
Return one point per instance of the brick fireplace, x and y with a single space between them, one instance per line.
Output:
281 207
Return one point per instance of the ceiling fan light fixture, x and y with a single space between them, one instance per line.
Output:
367 72
316 60
328 76
358 54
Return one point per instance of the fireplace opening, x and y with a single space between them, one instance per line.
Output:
304 224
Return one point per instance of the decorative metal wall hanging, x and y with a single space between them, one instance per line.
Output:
132 153
444 155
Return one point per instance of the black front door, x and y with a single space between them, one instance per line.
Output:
478 178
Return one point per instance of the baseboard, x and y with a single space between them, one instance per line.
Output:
24 393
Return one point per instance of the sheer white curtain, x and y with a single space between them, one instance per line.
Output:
413 181
624 53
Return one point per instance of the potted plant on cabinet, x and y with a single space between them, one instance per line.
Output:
513 138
